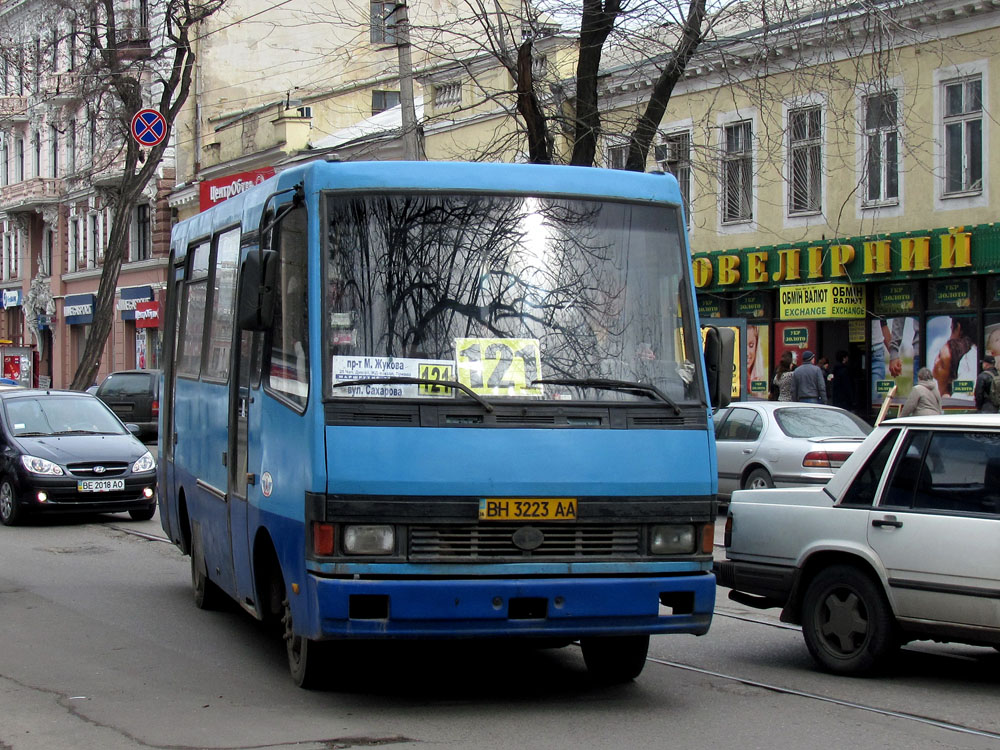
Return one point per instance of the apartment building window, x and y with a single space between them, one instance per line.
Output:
674 156
18 159
382 31
53 151
4 76
36 64
737 172
71 147
143 248
54 51
21 81
95 250
805 160
881 149
5 174
71 46
45 262
78 244
10 264
383 100
36 154
963 135
92 134
617 156
447 94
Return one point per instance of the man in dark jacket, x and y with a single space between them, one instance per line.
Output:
842 392
808 383
984 383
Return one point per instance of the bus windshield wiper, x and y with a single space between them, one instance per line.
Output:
627 386
403 380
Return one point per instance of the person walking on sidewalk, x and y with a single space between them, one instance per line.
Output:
808 381
985 383
925 398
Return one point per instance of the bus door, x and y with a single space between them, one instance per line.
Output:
244 397
168 435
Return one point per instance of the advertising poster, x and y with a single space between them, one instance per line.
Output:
992 334
954 357
795 337
757 357
895 356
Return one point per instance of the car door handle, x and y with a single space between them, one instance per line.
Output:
748 451
879 523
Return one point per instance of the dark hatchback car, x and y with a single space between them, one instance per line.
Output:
134 395
66 452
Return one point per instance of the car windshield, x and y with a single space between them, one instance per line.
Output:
811 422
40 416
498 292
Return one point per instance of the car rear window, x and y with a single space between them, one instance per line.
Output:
126 385
810 422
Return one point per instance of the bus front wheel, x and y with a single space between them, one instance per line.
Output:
206 594
307 659
614 659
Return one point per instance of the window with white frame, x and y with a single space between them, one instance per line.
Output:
881 148
737 172
382 31
963 135
10 256
674 156
92 135
5 166
383 100
78 244
142 248
18 160
71 46
48 245
71 147
805 160
617 156
36 154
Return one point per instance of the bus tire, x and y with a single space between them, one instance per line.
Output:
615 659
206 594
307 659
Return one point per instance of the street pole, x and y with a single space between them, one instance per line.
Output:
411 143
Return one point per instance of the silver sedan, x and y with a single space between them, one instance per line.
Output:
782 444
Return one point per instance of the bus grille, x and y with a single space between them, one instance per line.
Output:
495 541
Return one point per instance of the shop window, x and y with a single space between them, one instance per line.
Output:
383 100
737 172
805 160
881 149
674 156
963 135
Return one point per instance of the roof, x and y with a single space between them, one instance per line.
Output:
386 123
948 420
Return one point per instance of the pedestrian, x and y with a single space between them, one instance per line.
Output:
781 383
842 389
808 383
986 383
925 398
824 365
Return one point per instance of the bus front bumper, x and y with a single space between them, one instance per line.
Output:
511 607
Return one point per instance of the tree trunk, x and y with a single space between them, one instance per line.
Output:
528 107
596 24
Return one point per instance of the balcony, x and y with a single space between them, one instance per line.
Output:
30 195
61 88
13 109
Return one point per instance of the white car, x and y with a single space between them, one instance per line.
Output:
902 544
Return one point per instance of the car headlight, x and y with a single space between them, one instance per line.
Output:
671 540
369 540
41 466
146 463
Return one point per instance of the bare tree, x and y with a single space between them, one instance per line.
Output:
123 75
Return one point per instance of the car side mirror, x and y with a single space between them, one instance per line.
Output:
133 428
720 348
257 288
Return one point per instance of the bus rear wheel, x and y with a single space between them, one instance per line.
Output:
614 659
307 659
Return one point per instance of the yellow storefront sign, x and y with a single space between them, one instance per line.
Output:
822 301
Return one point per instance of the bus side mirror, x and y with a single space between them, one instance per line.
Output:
258 287
720 348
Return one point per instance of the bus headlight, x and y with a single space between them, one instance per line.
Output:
369 540
671 540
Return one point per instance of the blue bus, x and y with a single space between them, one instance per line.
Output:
443 400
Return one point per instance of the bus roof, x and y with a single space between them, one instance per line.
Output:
534 179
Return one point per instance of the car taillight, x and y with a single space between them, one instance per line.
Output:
825 460
156 408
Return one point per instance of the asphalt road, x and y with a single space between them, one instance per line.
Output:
103 649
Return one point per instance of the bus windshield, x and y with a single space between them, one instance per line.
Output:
499 292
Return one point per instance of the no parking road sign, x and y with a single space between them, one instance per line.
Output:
148 127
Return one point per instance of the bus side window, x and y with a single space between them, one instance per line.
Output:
288 371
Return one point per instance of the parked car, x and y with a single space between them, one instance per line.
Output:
900 545
782 444
134 395
66 451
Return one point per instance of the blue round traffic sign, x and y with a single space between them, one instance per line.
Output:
148 127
